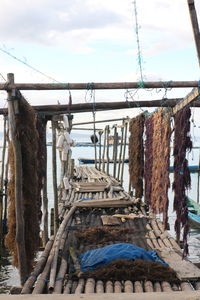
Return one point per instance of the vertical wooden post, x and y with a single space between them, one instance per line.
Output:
100 136
195 26
44 196
104 149
2 181
115 145
54 170
19 208
107 151
198 180
124 151
120 152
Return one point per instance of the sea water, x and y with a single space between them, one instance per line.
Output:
9 275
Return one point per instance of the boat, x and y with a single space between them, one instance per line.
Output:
92 161
194 213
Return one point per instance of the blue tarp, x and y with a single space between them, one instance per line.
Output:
94 259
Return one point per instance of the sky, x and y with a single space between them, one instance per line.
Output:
95 41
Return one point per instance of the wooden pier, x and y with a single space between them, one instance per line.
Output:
98 212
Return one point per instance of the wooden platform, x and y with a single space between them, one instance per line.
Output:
52 273
194 295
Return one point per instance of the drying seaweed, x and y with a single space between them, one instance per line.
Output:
182 181
41 160
133 270
148 165
136 154
10 237
98 235
161 162
28 137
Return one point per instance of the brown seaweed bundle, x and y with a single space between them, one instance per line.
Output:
28 136
122 269
102 234
136 154
182 181
148 163
10 237
161 162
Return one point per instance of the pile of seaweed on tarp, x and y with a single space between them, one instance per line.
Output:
133 270
32 170
182 181
124 261
136 154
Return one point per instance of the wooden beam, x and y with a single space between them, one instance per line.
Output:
195 26
98 85
19 208
187 100
51 110
101 121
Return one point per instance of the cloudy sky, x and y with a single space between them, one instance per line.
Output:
95 41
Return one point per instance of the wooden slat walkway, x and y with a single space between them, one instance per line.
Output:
140 228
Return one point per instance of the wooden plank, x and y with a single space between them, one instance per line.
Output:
115 202
110 220
187 100
184 268
98 85
19 207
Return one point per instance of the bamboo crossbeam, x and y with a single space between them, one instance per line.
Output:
100 121
186 100
50 110
98 85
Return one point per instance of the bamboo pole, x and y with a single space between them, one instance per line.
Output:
128 286
124 152
109 287
90 286
19 208
120 152
80 286
107 151
115 145
99 287
148 286
59 234
45 197
104 149
117 287
198 179
138 287
2 180
6 182
28 286
54 170
68 286
101 121
52 260
97 85
195 26
100 136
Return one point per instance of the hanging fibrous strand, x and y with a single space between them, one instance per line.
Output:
159 162
182 180
148 163
136 154
32 176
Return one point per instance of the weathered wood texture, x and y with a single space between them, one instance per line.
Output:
98 85
19 209
195 26
192 96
